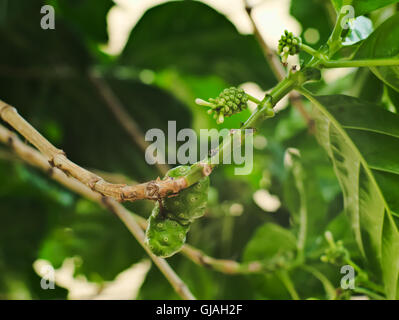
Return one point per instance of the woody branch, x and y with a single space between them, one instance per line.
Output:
152 190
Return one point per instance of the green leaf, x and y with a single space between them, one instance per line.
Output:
362 139
383 43
303 197
25 46
363 6
87 16
95 236
194 39
341 230
366 86
269 241
393 97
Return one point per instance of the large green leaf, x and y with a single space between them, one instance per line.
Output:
362 140
303 196
383 43
270 243
367 86
78 13
193 38
25 46
393 97
363 6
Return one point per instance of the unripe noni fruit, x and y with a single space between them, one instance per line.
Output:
164 236
230 101
190 203
168 227
288 45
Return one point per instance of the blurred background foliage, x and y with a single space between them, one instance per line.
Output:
176 52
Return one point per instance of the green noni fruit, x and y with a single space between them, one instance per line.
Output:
229 102
167 228
165 236
288 45
190 203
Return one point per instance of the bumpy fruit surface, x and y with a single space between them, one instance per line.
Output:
167 229
164 236
190 203
288 45
230 101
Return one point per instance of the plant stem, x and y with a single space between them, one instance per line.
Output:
208 104
328 287
151 190
312 51
226 266
303 215
277 93
358 63
284 87
233 140
369 293
253 99
289 285
275 65
335 41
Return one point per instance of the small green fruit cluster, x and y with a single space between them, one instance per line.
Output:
335 254
167 228
288 45
230 101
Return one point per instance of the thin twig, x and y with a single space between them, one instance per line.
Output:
152 190
271 57
230 266
127 122
277 69
328 286
34 158
289 285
